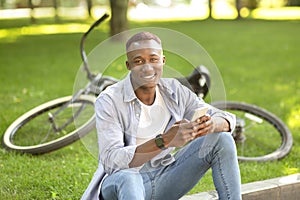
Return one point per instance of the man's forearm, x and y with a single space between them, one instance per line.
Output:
144 153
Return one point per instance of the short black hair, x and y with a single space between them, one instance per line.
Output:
142 36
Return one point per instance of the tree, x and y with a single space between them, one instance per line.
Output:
118 21
89 4
238 8
209 8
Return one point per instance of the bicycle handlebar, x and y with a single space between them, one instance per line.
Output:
82 51
96 23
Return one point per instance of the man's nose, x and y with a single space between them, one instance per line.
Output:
147 67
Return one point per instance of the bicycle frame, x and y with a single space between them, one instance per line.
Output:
90 88
90 76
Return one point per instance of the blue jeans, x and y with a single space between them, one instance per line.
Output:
216 151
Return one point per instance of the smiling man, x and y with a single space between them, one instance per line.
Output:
143 118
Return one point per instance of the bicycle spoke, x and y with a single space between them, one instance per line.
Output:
261 138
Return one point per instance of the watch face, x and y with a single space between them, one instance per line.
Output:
160 142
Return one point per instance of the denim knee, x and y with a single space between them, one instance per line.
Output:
221 142
226 143
125 184
130 178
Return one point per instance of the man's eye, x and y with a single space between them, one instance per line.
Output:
154 59
138 61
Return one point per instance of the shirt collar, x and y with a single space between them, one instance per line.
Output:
128 88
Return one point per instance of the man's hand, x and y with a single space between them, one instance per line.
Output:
212 125
206 126
184 131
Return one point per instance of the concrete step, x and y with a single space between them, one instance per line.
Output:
282 188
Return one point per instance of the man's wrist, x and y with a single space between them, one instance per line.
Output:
221 124
166 140
160 142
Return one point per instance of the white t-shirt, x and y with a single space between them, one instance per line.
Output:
153 119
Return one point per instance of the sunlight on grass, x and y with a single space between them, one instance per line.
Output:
78 12
292 170
292 105
44 29
294 117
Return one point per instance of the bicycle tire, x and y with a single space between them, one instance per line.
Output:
27 133
257 145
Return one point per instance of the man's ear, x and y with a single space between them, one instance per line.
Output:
164 59
127 65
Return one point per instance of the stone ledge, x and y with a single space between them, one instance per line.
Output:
282 188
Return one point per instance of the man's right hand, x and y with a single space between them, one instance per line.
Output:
181 133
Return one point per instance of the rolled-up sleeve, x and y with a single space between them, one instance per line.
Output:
231 119
113 153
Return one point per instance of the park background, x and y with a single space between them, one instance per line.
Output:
257 55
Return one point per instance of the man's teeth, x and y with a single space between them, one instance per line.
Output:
148 77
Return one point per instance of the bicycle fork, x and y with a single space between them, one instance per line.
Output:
240 127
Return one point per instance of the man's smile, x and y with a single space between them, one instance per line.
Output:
149 77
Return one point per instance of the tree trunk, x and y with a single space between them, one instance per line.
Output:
89 7
55 6
238 8
209 8
31 6
118 21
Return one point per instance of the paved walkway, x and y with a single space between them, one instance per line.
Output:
282 188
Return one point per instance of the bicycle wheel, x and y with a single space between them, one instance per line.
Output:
51 125
259 134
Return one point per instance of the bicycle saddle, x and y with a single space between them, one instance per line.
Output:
198 81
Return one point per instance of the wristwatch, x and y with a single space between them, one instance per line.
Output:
160 142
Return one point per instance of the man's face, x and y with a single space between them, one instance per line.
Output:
145 60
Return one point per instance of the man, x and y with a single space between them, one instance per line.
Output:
143 118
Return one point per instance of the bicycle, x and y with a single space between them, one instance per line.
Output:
60 122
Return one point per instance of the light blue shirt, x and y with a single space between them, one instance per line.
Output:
117 118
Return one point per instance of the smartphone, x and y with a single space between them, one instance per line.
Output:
199 113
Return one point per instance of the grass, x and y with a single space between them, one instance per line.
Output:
258 61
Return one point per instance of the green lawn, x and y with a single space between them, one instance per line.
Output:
258 60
